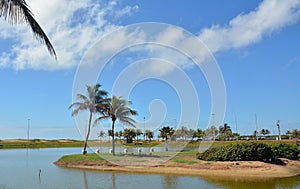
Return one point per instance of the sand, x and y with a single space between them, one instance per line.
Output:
235 169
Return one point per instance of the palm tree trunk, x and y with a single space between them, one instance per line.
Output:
113 136
87 134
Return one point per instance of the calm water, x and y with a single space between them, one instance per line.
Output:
20 169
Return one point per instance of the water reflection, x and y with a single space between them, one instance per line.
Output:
113 179
169 182
237 183
85 181
20 169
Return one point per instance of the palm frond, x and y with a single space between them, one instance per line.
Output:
17 11
101 118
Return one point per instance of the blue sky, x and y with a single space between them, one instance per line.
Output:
254 43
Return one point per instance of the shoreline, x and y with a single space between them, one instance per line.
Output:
237 169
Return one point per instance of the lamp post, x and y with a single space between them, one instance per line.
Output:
213 126
144 129
28 127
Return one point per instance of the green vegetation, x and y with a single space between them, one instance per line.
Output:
250 151
39 143
285 150
79 158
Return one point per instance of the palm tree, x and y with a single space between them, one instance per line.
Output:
166 132
92 103
289 133
265 132
129 134
17 11
109 133
138 133
117 109
149 135
295 133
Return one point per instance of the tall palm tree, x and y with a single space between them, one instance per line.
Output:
17 11
166 132
93 103
118 109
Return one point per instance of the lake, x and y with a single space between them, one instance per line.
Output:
20 169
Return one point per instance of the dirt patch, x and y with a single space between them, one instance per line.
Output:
249 169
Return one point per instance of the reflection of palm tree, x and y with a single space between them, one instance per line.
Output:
86 184
17 11
113 180
92 103
170 182
118 109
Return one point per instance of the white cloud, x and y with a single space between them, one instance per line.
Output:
250 28
72 26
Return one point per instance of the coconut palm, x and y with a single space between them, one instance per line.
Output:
295 133
166 132
17 11
93 103
118 109
265 132
149 135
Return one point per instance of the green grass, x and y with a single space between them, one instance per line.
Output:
178 160
80 157
39 143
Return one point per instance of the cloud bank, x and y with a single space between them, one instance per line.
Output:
74 26
250 28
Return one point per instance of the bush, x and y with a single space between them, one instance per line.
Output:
284 150
249 151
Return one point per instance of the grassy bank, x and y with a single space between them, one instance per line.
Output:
39 143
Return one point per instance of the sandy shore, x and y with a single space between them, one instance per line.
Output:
241 169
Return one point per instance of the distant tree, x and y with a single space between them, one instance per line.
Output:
289 133
93 103
255 133
225 131
192 134
166 132
101 134
17 11
129 134
211 132
138 133
149 134
295 133
265 132
110 133
199 133
121 134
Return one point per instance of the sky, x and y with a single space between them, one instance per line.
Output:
181 63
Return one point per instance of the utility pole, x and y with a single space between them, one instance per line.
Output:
144 129
213 125
175 124
256 127
236 126
28 127
278 126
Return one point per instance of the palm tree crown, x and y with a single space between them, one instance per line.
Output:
118 109
17 11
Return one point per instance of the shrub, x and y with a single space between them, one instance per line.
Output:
284 150
249 151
